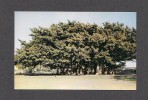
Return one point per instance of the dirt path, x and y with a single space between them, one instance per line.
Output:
72 83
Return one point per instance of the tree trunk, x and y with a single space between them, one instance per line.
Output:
108 71
95 69
101 68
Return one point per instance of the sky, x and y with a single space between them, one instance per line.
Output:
25 20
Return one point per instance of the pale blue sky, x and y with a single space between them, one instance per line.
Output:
24 20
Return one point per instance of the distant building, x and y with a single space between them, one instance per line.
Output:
130 63
129 68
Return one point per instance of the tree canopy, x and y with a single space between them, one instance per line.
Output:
75 47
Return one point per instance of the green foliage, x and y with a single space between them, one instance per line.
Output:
76 45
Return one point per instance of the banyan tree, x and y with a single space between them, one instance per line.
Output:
78 48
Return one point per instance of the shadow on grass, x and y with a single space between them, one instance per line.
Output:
130 77
35 74
43 74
